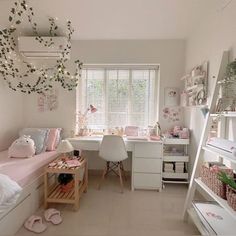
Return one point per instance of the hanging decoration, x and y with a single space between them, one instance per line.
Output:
171 114
16 71
48 101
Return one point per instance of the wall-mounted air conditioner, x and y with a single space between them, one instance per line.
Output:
31 48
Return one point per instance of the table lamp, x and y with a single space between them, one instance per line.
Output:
64 147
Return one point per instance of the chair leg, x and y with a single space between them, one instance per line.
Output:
120 175
102 178
108 168
123 171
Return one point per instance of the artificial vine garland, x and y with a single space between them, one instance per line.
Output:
11 62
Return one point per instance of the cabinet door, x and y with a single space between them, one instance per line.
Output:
147 181
148 150
145 165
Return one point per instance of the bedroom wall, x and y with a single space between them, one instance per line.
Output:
11 118
207 42
170 54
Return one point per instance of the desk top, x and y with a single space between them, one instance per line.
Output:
126 139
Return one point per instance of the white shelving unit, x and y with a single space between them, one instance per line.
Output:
176 177
221 155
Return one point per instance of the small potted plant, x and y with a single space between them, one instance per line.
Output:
230 188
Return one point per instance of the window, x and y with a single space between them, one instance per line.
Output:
123 95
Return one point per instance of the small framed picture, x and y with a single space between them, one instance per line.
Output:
171 97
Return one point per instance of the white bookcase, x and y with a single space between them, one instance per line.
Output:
176 177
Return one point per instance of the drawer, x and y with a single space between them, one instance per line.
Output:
146 165
147 181
149 150
14 219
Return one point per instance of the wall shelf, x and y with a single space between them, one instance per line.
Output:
174 175
226 155
170 158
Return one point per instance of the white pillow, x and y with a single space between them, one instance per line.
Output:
9 190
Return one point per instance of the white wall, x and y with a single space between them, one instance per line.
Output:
170 54
11 118
207 42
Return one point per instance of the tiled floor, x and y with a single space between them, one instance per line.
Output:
109 213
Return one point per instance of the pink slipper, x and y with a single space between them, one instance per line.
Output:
52 215
35 224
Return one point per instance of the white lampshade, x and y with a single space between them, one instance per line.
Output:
64 147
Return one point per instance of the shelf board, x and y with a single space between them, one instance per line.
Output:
167 175
226 155
196 220
57 195
175 182
218 199
226 114
169 158
176 141
194 87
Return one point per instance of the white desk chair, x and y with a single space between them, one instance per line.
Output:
113 151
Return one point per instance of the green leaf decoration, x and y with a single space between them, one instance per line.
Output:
10 71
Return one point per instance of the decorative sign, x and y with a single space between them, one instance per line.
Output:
48 101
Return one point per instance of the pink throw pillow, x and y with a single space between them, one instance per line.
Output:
52 136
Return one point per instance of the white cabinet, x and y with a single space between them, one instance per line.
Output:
147 166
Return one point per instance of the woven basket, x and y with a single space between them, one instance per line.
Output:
210 178
231 197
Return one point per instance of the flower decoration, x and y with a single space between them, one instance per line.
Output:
171 114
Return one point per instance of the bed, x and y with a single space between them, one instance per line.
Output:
28 173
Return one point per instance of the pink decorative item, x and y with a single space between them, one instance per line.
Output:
184 133
171 114
176 131
22 147
131 130
52 138
155 138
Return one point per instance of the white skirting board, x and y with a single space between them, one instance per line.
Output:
29 201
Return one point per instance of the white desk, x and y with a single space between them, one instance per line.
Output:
147 158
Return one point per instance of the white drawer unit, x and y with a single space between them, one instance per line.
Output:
148 150
147 181
147 166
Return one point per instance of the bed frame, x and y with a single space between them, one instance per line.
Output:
29 201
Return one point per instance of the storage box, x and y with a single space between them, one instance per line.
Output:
209 176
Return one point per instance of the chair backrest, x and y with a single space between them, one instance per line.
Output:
113 148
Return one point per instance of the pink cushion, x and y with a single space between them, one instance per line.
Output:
52 138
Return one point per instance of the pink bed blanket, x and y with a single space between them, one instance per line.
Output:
26 170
